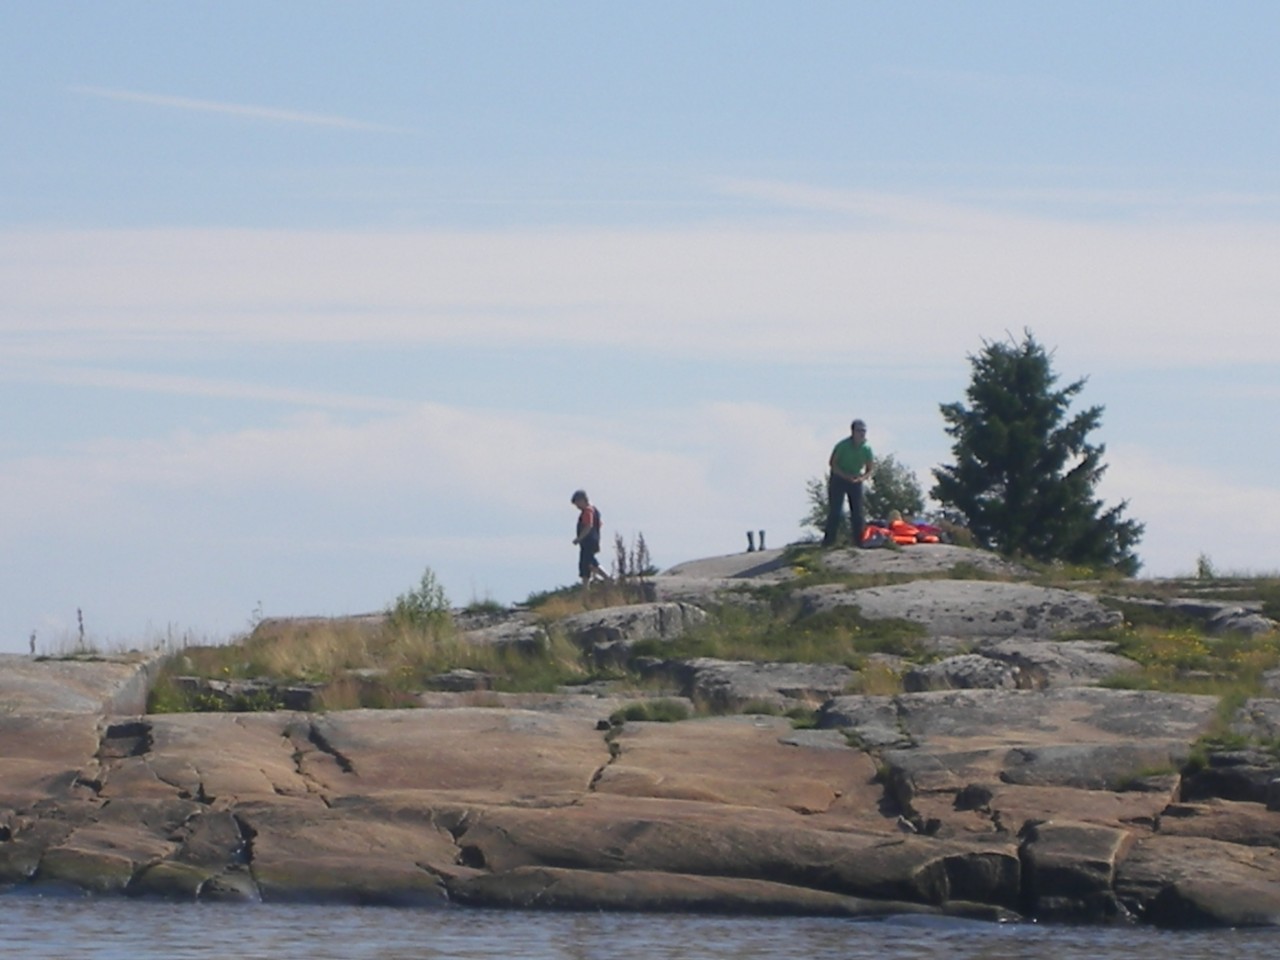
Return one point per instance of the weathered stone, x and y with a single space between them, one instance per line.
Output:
1258 719
966 671
1092 766
702 760
1069 869
1054 663
44 755
652 891
91 686
1217 616
1192 882
249 695
478 753
461 680
923 559
1247 824
26 843
611 632
733 684
872 721
971 608
606 834
519 633
171 880
1233 775
93 869
904 803
304 852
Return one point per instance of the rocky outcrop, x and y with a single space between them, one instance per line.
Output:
1004 783
1217 616
969 610
609 634
726 685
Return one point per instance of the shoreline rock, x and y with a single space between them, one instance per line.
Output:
1004 784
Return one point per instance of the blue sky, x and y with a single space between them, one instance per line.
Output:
297 299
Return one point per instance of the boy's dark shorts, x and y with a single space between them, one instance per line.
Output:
587 551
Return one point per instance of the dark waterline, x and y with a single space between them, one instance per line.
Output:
114 929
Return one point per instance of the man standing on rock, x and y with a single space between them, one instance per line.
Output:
587 538
852 462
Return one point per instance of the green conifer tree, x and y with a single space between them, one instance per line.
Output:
1024 474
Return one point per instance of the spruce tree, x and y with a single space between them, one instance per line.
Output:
1024 473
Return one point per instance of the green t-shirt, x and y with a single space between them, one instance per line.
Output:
851 458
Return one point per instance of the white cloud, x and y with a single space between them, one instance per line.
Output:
1189 510
917 284
172 385
242 110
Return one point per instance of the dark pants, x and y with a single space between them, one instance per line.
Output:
587 550
838 490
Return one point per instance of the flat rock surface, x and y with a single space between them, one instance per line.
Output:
73 685
972 609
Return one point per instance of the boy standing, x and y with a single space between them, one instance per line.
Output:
587 538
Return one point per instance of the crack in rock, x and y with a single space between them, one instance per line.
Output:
322 744
615 752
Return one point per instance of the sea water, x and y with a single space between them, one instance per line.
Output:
118 929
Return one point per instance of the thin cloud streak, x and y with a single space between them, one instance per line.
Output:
247 111
174 385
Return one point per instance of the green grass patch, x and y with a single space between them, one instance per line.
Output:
1186 660
841 635
662 710
366 663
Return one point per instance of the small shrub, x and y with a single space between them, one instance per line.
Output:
557 604
877 680
761 708
632 562
424 605
1204 568
486 606
802 718
654 711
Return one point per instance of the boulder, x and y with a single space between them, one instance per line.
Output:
609 835
965 671
1258 719
1054 663
1247 824
518 631
84 685
1217 616
611 632
1194 882
1233 775
1069 870
871 721
734 684
309 853
923 559
971 609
